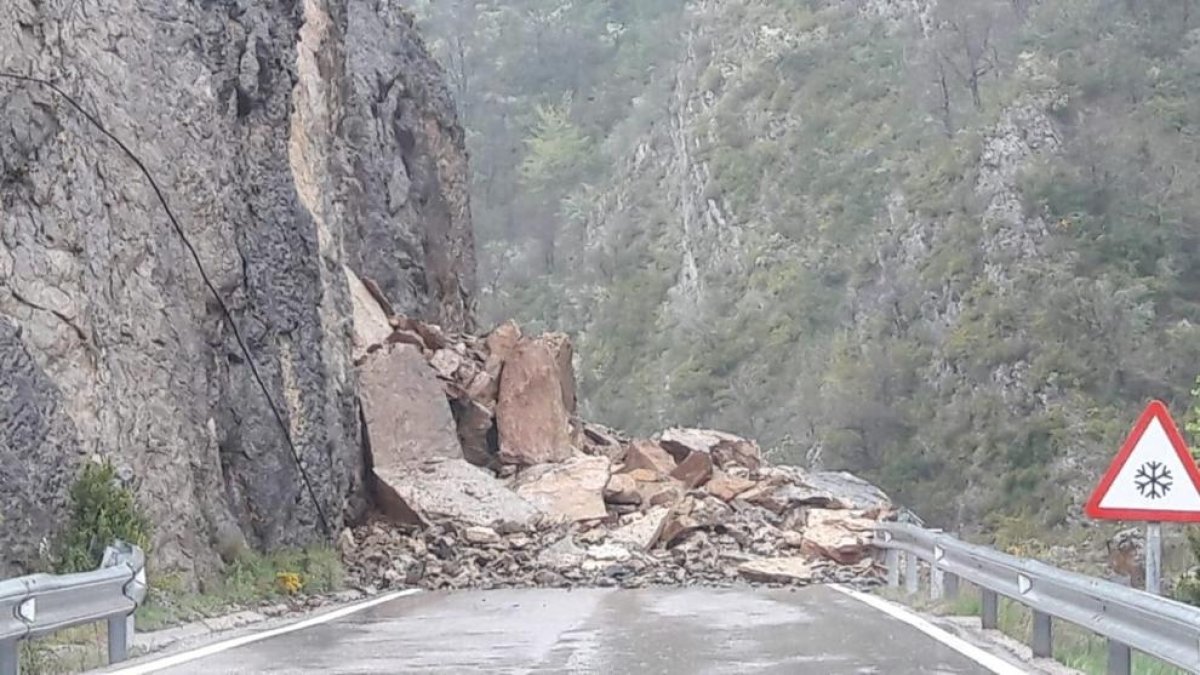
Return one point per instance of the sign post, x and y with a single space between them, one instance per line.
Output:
1154 479
1153 557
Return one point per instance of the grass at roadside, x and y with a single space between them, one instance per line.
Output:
252 580
1073 647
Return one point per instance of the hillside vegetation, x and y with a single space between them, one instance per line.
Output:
949 246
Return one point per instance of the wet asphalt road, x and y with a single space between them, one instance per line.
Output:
668 631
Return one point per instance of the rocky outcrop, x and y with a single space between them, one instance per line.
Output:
291 140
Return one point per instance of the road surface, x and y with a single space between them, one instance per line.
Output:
668 631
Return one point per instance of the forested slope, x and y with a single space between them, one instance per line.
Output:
952 247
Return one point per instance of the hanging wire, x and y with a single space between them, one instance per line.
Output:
287 436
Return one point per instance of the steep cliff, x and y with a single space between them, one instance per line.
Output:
292 139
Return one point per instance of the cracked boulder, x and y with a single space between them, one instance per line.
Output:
534 427
572 490
408 419
450 489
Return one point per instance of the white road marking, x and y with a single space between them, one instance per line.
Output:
990 661
218 647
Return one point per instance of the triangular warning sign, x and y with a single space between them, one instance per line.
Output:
1153 477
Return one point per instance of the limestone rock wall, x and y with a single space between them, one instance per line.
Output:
291 138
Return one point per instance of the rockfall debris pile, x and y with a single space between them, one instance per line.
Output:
483 476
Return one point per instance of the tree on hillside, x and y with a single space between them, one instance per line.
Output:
966 44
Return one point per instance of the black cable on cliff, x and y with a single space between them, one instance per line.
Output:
287 436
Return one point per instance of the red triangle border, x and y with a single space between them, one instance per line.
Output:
1156 409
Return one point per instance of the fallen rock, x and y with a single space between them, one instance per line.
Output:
793 539
478 534
778 570
404 407
476 431
533 423
726 449
622 489
406 337
450 489
433 336
562 554
842 536
694 471
726 487
371 327
573 489
692 513
650 456
601 436
503 338
833 490
483 388
609 551
641 530
660 493
446 362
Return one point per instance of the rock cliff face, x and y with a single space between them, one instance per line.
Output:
291 139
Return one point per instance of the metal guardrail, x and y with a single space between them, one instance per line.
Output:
1130 619
41 604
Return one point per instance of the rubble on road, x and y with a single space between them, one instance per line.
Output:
483 477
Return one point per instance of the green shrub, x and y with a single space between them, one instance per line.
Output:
102 510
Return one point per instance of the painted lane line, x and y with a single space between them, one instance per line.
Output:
218 647
990 661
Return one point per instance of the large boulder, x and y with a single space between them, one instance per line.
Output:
622 489
794 570
839 535
726 450
641 530
450 489
650 455
694 471
691 513
834 490
726 487
573 490
533 422
371 327
404 406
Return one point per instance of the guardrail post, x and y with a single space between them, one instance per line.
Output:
949 585
10 657
990 606
892 561
911 580
1120 658
1043 639
936 577
118 638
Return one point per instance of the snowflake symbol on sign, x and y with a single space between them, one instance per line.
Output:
1153 480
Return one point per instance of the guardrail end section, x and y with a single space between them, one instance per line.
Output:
123 553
